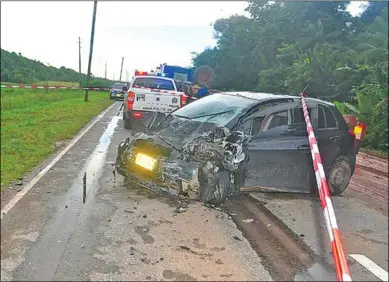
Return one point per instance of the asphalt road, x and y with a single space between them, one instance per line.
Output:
127 233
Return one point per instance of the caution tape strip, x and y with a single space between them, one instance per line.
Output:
340 260
52 87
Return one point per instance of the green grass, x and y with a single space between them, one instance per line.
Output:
48 83
55 83
33 120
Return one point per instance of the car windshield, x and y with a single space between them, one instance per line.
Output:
154 82
118 86
217 108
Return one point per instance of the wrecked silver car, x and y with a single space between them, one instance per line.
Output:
227 143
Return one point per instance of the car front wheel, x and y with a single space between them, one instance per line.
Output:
214 189
339 175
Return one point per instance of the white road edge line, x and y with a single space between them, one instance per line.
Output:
37 177
371 266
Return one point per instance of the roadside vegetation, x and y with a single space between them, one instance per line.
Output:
44 83
18 69
33 121
285 46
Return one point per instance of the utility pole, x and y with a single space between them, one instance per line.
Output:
105 70
79 60
121 69
91 49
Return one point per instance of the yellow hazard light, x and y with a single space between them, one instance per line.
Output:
145 161
357 130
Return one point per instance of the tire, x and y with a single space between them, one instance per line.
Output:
214 191
127 124
339 175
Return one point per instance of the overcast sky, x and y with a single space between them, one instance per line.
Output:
144 33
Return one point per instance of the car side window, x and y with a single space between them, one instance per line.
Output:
326 118
246 126
322 119
275 120
330 119
273 125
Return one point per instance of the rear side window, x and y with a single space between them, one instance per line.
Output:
119 86
154 82
326 118
298 116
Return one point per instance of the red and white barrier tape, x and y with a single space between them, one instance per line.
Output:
51 87
340 260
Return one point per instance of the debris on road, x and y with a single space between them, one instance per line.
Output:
249 220
179 210
237 238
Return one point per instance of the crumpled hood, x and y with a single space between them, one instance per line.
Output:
194 143
179 131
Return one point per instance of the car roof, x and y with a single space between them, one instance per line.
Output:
260 96
154 76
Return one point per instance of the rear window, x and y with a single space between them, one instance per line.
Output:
226 107
154 82
118 86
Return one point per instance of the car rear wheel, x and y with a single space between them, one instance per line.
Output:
214 192
127 124
339 175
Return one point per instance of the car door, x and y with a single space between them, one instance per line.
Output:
328 135
278 153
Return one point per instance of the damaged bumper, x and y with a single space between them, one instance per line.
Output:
203 167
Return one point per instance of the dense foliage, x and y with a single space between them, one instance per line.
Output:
18 69
285 46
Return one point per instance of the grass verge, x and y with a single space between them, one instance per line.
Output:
48 83
34 120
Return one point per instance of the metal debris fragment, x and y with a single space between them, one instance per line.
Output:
249 220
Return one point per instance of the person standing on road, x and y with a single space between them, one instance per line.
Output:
203 91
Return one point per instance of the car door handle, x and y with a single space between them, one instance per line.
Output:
303 147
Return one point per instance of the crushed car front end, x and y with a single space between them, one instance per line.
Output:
208 157
146 161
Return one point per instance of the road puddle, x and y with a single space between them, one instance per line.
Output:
95 165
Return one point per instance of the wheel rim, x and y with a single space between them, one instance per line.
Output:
339 178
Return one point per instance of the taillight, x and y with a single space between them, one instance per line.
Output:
130 100
183 100
137 115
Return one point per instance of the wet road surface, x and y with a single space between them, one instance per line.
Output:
127 233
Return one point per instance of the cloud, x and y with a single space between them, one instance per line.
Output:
144 33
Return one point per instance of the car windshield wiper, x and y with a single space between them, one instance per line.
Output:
209 115
239 95
172 114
